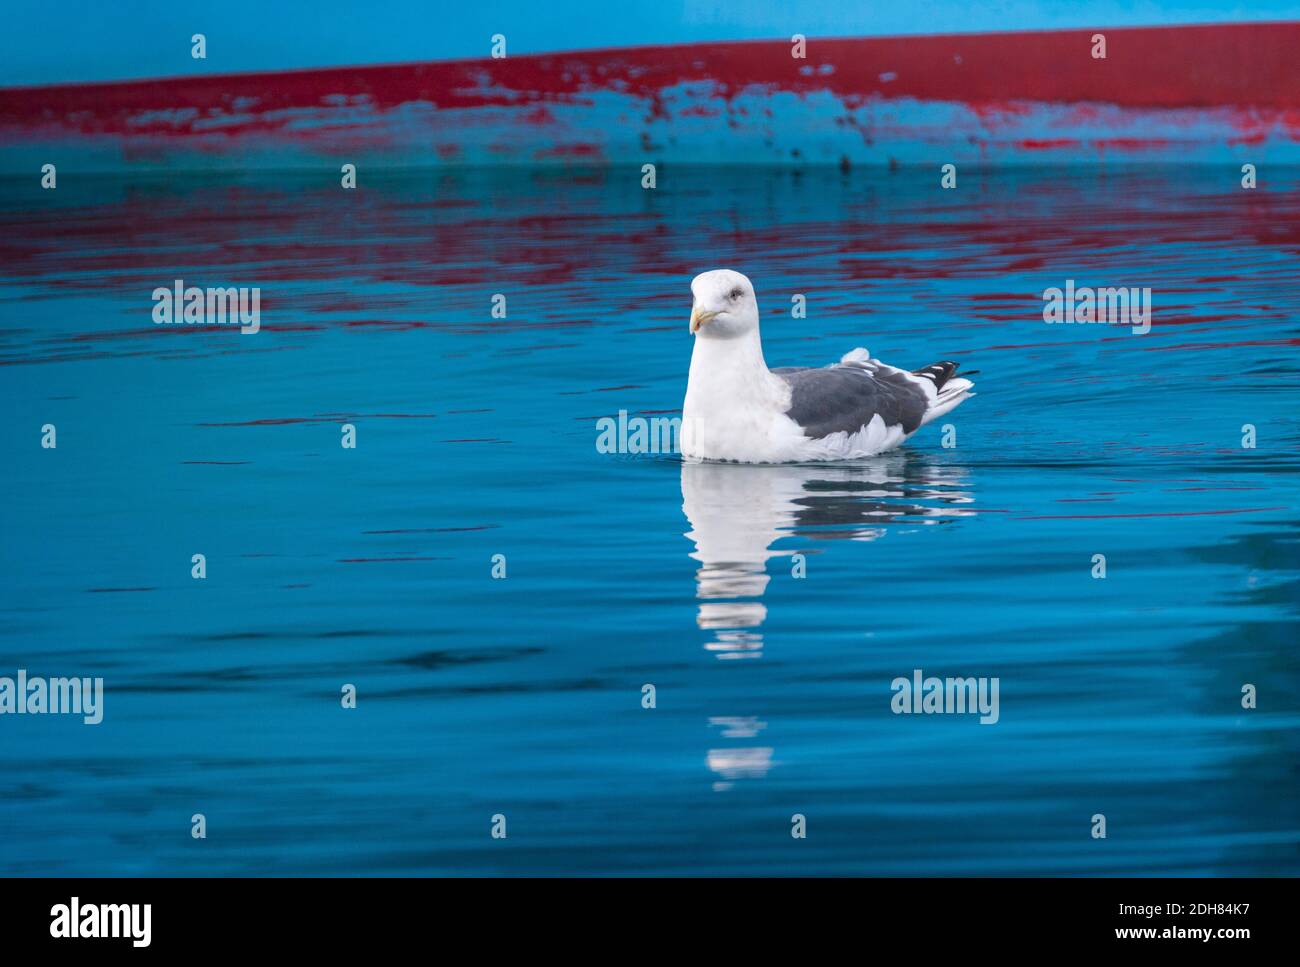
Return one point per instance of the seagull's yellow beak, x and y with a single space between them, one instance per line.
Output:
700 317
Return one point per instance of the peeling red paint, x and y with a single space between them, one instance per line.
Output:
998 77
589 151
1046 144
1131 144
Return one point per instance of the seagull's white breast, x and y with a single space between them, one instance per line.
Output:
735 409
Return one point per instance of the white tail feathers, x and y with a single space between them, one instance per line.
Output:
952 393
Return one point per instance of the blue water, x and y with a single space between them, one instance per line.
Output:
476 437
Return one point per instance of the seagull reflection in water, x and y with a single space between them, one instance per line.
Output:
737 512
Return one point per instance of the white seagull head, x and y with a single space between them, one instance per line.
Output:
724 306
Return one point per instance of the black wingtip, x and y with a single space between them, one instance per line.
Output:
939 372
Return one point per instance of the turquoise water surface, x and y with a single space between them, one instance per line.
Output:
476 437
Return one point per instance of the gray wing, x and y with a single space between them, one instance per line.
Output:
846 397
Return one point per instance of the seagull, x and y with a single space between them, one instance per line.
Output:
738 410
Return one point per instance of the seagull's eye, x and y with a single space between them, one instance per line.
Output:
735 294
